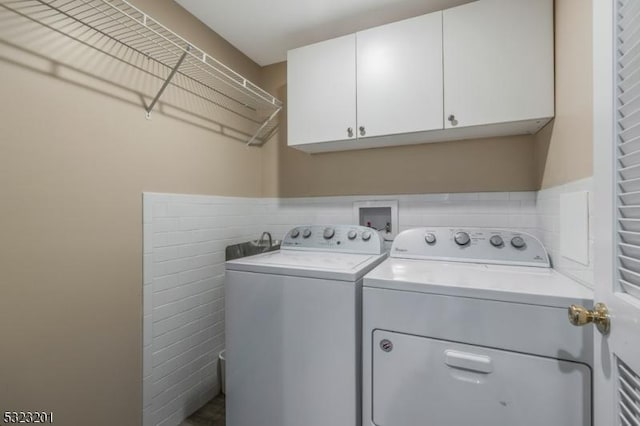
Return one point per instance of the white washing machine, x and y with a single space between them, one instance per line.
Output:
469 327
293 329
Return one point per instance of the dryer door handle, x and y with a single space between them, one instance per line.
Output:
468 361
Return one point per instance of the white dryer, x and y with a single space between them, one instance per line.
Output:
293 329
469 327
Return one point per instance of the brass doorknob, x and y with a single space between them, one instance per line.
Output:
579 315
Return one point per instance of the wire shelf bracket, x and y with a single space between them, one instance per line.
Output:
120 21
166 82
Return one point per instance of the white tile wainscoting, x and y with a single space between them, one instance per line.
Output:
184 241
511 210
549 228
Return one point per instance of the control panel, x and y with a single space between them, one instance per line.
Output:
479 245
341 238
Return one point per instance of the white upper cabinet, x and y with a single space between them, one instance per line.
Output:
399 77
321 91
483 69
498 62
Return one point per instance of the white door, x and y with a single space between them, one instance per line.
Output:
321 99
498 62
617 215
399 81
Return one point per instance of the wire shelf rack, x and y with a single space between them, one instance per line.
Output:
199 72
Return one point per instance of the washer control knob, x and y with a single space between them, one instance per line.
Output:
306 233
295 233
366 235
461 238
329 233
352 235
496 241
430 238
518 242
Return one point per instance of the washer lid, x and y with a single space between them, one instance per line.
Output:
518 284
312 264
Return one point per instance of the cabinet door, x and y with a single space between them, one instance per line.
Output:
400 77
321 91
498 62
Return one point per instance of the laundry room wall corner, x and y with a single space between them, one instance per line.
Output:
564 148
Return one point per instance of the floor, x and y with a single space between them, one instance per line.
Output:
212 414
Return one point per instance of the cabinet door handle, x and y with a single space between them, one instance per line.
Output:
350 132
362 131
452 120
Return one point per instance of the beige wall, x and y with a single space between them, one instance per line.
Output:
560 153
564 148
75 155
497 164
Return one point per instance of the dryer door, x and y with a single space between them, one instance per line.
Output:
422 381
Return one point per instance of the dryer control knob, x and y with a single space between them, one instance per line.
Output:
461 238
518 242
329 233
306 233
496 241
430 238
352 235
366 235
295 233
